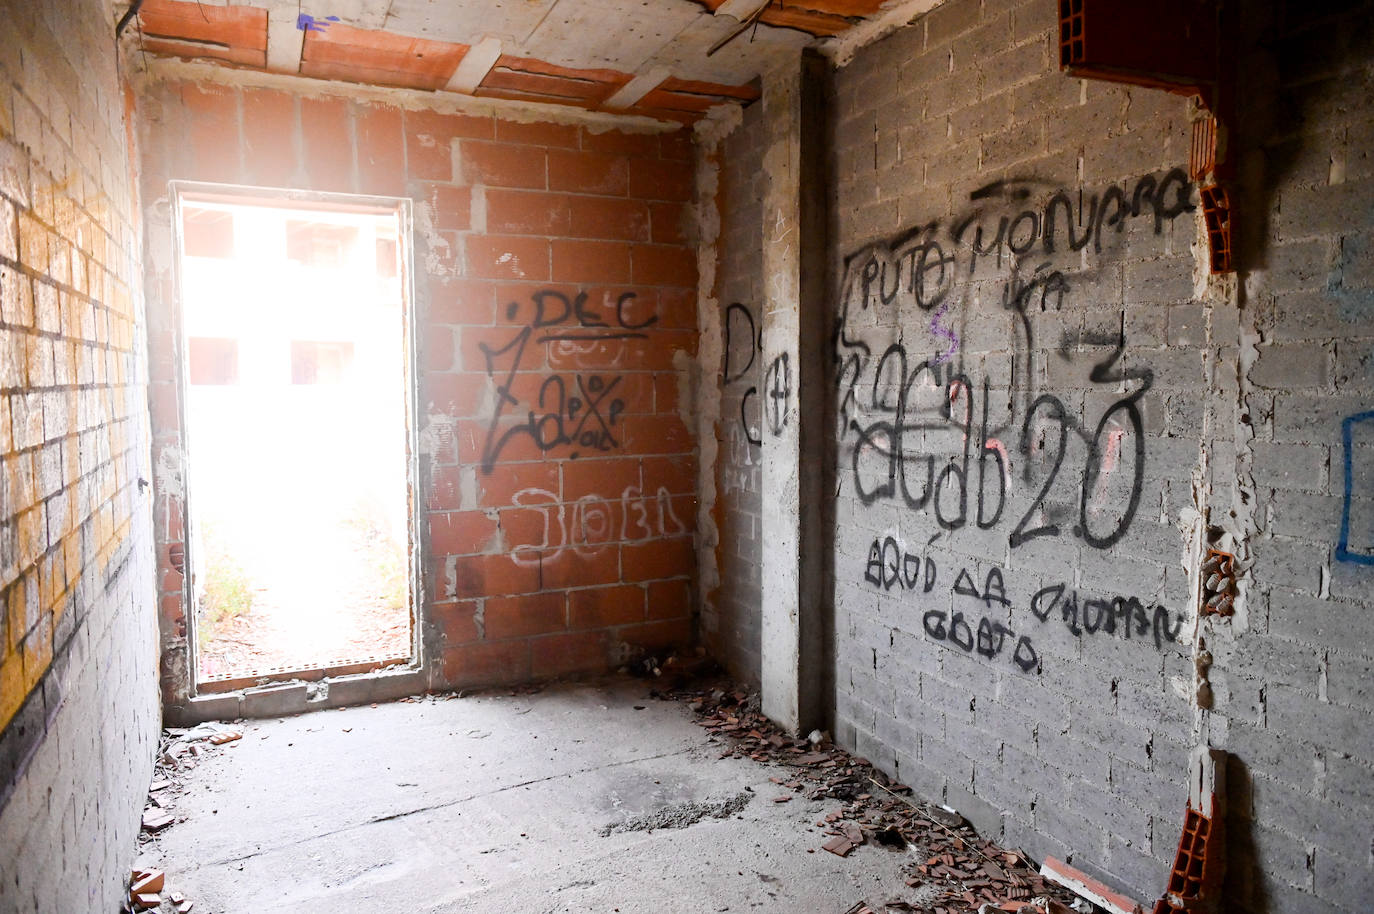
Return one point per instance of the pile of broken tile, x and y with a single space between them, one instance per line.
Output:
963 872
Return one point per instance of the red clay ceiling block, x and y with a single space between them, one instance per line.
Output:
534 80
381 58
233 34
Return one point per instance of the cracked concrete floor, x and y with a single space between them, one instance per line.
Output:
501 803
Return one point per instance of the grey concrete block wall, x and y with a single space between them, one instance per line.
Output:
79 715
732 623
1046 407
1299 682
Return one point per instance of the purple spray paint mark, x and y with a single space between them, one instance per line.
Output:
307 23
945 333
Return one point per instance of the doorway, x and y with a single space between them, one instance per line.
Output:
297 365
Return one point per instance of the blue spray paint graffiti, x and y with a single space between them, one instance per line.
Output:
1361 426
307 23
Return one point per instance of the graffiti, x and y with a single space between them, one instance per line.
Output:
974 442
594 521
307 23
778 384
1124 615
741 332
890 566
580 411
1357 437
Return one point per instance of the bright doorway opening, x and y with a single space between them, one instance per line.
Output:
297 359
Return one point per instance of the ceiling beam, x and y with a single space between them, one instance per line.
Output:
741 9
475 66
630 93
284 40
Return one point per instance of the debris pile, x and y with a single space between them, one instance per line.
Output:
964 872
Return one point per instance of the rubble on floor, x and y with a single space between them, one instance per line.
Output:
181 749
969 874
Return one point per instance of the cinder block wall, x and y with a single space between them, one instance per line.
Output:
730 617
1300 681
1045 409
78 648
541 556
1019 350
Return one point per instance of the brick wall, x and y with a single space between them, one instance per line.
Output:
732 630
78 701
554 297
1301 680
1019 347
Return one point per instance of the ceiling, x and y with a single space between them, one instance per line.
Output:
667 59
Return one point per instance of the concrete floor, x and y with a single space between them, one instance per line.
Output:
498 804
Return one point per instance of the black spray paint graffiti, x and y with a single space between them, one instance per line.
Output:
891 566
778 385
582 414
1109 615
939 434
742 333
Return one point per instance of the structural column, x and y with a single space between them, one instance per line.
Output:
793 398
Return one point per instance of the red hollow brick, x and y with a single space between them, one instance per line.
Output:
520 617
677 145
381 150
599 607
528 212
607 478
537 134
519 484
591 261
620 143
678 475
502 164
657 179
588 172
666 221
461 301
429 138
455 393
657 434
609 218
439 350
493 575
460 533
582 566
669 600
575 652
213 137
445 489
484 663
269 137
663 558
327 144
664 265
457 622
658 635
451 206
511 257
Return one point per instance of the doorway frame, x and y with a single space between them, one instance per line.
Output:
181 191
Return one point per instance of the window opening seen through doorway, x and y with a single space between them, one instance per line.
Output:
295 335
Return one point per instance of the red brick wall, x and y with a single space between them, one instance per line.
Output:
554 298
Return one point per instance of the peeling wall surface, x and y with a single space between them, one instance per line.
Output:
554 299
78 649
